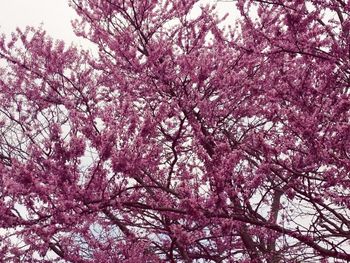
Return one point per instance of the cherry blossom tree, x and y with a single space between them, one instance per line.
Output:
181 139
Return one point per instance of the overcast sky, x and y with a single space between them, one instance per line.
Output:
54 15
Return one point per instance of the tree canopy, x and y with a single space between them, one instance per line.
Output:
182 138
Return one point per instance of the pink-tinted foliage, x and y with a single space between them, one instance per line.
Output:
181 140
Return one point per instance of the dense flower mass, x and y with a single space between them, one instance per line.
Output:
182 139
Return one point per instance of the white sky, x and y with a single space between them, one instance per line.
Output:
54 15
